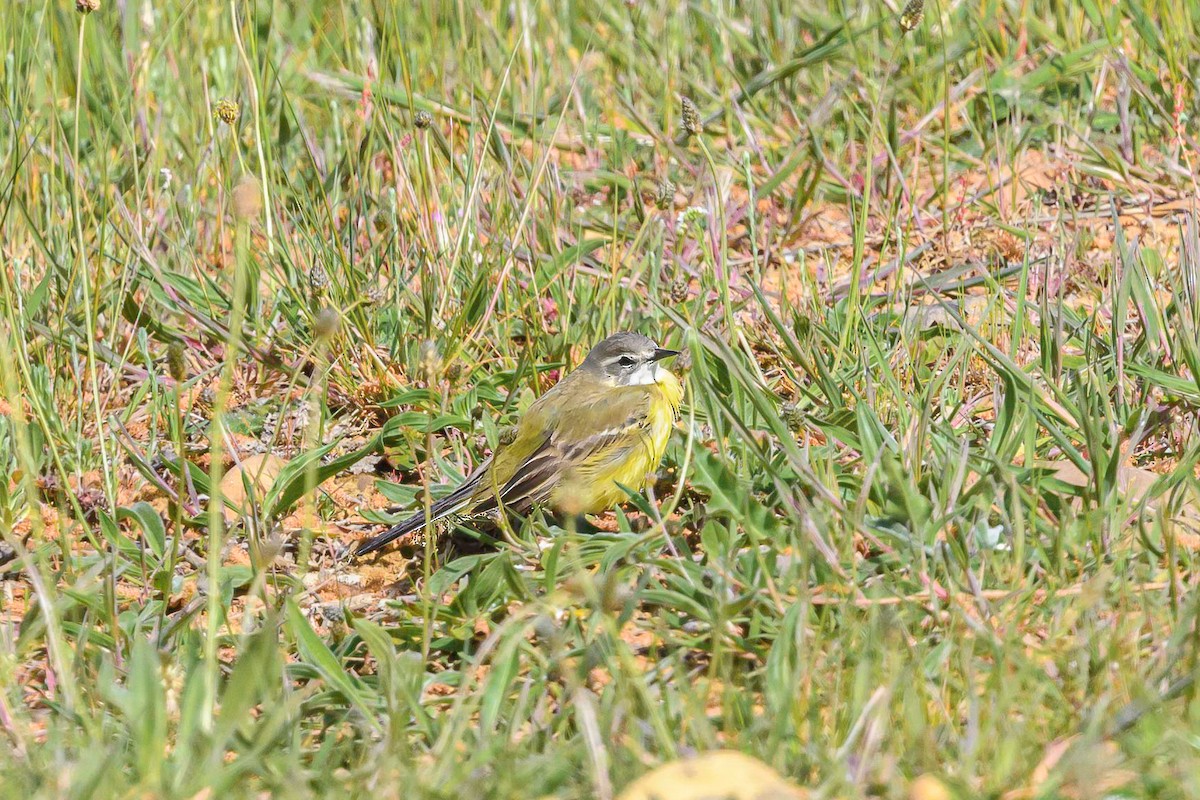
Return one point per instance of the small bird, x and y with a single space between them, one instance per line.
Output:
606 423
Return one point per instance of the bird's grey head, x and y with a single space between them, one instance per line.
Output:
627 359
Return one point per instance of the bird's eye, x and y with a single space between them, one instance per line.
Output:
625 361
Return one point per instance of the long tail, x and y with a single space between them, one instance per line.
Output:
450 504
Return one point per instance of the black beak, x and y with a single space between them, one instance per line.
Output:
660 354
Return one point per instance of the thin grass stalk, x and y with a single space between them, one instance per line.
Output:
217 435
85 274
256 110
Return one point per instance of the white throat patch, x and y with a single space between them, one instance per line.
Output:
645 375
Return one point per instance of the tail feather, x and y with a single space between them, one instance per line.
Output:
452 503
440 510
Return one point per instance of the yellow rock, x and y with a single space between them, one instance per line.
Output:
927 787
259 471
724 774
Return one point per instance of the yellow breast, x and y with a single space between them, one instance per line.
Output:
666 395
599 491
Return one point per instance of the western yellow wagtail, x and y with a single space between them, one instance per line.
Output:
607 423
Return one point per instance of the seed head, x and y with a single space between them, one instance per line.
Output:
87 6
679 289
570 505
691 118
792 415
803 328
176 365
692 218
664 194
225 110
423 120
318 280
247 198
506 435
326 323
429 360
912 15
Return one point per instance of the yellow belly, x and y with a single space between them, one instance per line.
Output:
601 490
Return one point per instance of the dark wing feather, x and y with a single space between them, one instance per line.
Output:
535 479
529 485
569 449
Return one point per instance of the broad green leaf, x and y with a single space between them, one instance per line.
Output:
317 655
151 524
